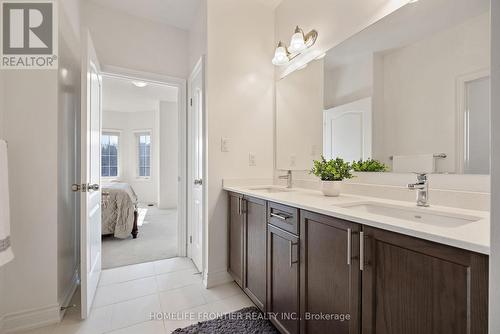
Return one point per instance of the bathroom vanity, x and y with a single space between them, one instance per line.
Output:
411 91
329 265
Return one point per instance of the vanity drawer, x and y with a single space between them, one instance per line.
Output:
284 217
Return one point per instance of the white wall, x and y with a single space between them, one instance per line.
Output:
299 118
134 43
348 83
129 123
420 90
38 109
240 107
198 35
169 155
31 120
494 296
2 135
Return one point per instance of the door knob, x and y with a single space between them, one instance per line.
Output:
93 187
198 182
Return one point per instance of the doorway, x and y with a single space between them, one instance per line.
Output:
139 170
473 119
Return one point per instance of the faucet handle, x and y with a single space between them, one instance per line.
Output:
421 176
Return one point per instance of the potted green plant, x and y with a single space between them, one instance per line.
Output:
369 165
332 173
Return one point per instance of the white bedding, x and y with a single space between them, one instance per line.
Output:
119 204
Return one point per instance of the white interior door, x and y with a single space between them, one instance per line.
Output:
195 166
90 269
347 131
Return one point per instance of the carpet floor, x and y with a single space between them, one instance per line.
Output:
245 321
157 240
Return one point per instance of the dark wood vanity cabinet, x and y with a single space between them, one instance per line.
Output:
303 267
414 286
330 275
254 264
247 246
236 237
283 279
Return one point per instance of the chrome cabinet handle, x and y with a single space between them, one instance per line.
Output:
349 236
278 216
361 251
291 252
241 203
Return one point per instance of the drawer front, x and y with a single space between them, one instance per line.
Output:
284 217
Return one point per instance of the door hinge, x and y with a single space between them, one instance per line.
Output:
190 239
191 102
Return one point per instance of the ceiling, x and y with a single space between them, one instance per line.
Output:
177 13
404 27
122 96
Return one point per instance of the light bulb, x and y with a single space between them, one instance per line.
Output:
280 55
297 43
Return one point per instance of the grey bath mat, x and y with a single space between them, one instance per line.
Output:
245 321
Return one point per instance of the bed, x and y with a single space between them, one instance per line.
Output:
119 210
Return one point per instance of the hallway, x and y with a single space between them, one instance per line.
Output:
127 296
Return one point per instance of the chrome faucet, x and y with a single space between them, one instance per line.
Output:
288 178
422 187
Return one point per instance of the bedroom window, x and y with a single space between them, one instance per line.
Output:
144 154
109 154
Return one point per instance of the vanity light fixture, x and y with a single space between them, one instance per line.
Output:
298 43
140 84
281 55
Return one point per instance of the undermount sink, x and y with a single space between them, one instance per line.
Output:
271 190
417 215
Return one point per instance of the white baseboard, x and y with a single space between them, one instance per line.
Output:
214 278
30 319
38 317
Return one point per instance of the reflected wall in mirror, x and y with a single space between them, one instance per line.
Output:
408 90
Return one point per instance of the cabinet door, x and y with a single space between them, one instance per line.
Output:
414 286
330 275
236 230
254 282
283 279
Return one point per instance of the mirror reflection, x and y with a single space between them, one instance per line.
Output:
412 96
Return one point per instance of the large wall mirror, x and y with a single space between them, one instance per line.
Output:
412 91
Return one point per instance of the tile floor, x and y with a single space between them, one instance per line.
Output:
126 296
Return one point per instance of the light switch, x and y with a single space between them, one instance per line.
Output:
224 144
252 160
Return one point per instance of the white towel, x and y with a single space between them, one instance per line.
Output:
418 163
6 254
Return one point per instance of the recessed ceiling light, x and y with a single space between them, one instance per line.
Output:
140 84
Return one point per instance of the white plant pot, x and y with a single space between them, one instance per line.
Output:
331 188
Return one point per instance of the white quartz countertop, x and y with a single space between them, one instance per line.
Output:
473 236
